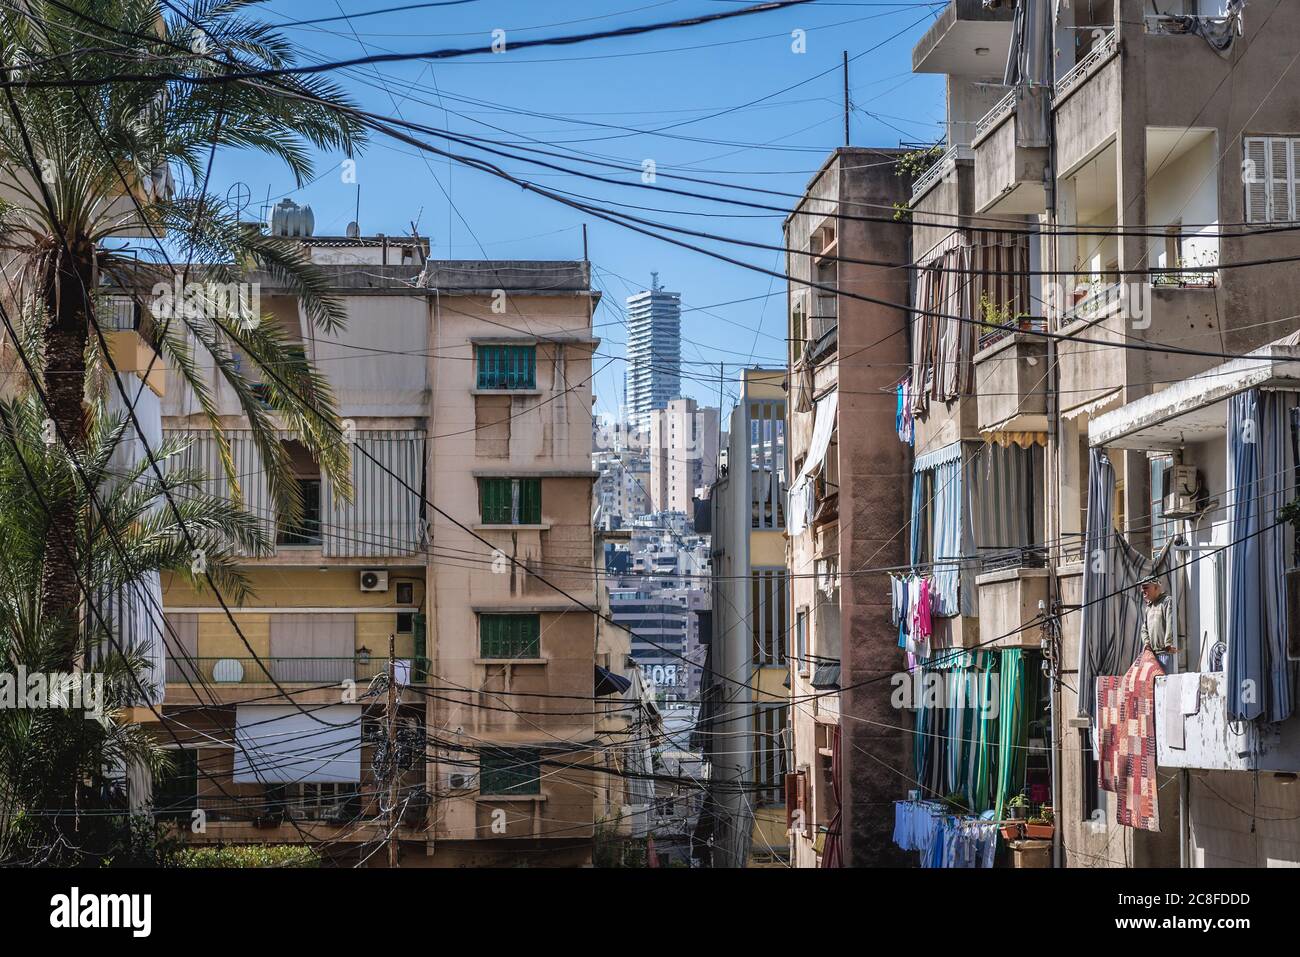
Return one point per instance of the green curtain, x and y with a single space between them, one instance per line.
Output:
1013 729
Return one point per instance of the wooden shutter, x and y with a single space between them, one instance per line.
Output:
530 501
1255 174
495 500
791 798
1280 203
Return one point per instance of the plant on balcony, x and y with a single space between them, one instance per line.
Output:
914 165
1041 826
1181 279
1018 807
56 757
997 320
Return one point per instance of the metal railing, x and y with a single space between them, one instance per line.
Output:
236 670
941 167
1004 108
992 334
1101 301
1100 52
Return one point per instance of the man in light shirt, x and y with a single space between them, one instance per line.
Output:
1158 631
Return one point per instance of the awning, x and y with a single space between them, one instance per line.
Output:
608 683
798 515
826 675
1194 409
286 744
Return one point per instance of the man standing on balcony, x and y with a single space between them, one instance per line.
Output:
1158 623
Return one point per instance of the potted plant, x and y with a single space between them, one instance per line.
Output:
1018 807
1010 830
1040 827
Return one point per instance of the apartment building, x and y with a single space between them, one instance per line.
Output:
1073 434
683 447
743 711
462 391
654 352
844 515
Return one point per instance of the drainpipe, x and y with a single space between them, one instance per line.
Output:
1184 780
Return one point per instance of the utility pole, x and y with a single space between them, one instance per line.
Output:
393 765
846 97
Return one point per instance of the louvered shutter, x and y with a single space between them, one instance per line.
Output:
1255 175
1279 180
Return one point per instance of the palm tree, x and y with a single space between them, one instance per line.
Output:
55 765
87 190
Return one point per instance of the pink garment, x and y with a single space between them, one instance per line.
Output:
921 622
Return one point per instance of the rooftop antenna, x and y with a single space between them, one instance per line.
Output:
654 282
357 218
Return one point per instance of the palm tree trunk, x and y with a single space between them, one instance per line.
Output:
67 301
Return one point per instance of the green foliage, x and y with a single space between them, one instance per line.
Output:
71 152
57 766
249 855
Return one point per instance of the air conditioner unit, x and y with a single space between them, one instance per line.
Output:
374 580
462 781
1182 491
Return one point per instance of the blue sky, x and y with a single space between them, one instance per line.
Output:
603 99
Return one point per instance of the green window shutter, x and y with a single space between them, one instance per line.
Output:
494 500
510 771
530 501
510 636
498 498
507 367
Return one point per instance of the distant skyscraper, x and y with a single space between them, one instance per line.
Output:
654 351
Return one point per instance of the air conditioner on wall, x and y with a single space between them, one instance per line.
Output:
1182 491
374 580
462 781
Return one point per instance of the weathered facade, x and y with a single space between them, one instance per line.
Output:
463 392
844 512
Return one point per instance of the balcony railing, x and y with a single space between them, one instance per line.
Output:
1101 300
1004 108
237 671
1101 52
992 334
942 166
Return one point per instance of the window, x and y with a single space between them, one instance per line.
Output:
510 501
1094 799
510 636
405 622
306 531
507 367
767 615
328 801
801 640
176 792
1270 169
1161 527
770 755
510 771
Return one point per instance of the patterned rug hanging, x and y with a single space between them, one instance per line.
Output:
1126 741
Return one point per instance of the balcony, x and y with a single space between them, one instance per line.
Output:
1011 382
967 39
253 671
1009 175
944 170
1008 602
1086 101
1192 731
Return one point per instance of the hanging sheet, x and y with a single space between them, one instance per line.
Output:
1261 473
1126 740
